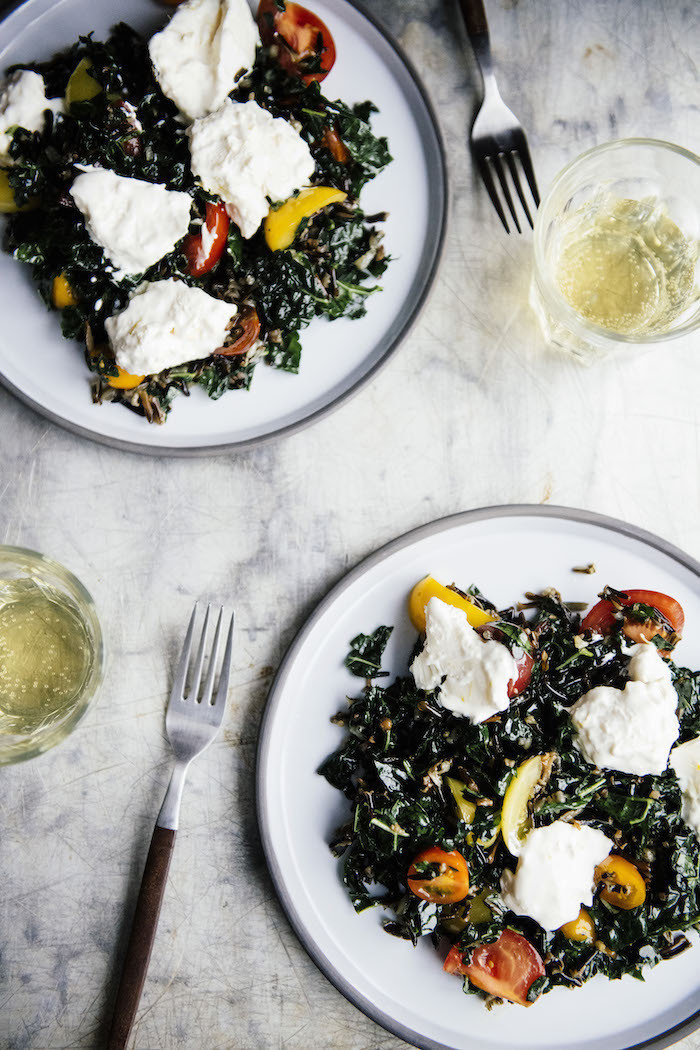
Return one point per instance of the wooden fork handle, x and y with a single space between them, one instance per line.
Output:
474 17
143 931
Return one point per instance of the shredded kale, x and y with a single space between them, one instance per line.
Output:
401 745
331 268
365 656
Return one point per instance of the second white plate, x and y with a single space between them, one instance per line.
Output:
49 373
506 551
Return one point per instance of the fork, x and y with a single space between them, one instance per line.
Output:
496 134
192 722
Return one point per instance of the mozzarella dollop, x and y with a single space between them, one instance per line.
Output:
685 762
631 729
23 103
555 873
244 155
135 223
167 323
198 55
476 672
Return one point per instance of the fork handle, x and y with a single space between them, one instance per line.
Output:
474 17
143 931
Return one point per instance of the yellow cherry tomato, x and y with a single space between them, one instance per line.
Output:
582 928
428 588
479 911
62 294
515 815
439 876
623 886
7 198
81 86
124 381
466 810
282 223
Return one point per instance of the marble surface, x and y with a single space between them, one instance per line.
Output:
472 411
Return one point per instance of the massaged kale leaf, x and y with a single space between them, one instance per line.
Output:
393 766
366 652
129 126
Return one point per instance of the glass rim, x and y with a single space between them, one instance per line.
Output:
58 733
556 302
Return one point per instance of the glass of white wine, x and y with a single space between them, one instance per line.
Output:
617 243
51 653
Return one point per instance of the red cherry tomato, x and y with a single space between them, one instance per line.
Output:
203 251
248 322
443 880
601 618
524 662
506 968
303 40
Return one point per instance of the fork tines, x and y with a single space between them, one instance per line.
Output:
490 162
180 690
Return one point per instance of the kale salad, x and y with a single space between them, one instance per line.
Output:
531 859
316 255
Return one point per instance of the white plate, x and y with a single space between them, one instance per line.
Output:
49 372
506 551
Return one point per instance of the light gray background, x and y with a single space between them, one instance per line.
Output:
472 411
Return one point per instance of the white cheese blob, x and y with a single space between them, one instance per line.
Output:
631 729
167 323
685 762
135 223
244 155
555 872
23 103
476 672
199 54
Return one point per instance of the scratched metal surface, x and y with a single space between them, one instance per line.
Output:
471 412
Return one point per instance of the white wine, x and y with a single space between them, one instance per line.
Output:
626 266
46 656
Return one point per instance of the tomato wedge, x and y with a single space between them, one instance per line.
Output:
507 968
203 250
524 661
438 876
305 46
601 619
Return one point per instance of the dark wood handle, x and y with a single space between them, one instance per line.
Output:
143 931
474 16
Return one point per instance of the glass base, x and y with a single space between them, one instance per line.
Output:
558 336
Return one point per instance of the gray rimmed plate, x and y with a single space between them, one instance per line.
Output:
49 373
506 551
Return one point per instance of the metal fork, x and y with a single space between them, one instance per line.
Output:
192 721
496 134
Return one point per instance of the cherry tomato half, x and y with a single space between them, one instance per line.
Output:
524 662
306 47
601 618
506 968
438 876
622 883
203 251
248 323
